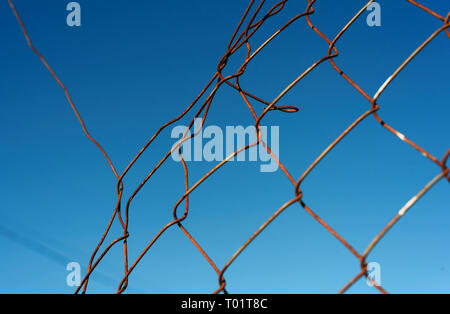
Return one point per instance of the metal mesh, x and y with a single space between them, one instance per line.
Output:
250 23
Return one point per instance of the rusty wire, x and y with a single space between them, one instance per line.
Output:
240 39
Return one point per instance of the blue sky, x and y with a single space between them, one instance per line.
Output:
134 65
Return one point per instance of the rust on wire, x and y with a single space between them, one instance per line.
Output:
248 25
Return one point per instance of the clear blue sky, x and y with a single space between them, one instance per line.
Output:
136 64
